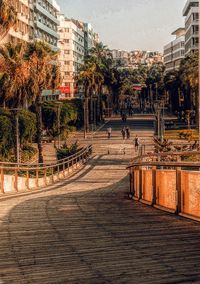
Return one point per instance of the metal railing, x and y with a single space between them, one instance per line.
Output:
20 177
167 184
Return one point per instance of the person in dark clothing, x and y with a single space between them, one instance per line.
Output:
123 133
137 143
128 134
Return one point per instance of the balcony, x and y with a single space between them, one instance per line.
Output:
189 4
47 14
46 29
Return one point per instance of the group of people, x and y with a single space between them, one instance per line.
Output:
126 134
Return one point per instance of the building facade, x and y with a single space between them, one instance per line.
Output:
21 30
135 58
72 51
45 21
90 37
174 51
35 20
191 14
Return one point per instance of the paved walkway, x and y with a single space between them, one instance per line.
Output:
87 231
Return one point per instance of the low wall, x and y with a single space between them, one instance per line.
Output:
177 191
20 177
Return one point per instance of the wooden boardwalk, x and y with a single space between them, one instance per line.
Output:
87 231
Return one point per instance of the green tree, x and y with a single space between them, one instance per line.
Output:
172 84
14 70
44 74
27 127
6 136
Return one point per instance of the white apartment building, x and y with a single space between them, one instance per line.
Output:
45 21
191 14
72 51
36 19
174 51
21 31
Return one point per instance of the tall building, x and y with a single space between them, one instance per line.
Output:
191 14
36 19
21 31
45 21
174 51
90 37
72 51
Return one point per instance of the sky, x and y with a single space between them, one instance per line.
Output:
129 24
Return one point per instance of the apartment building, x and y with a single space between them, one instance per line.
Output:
36 19
90 37
72 51
21 31
45 21
174 51
191 14
121 57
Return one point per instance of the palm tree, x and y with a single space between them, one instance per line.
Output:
90 78
172 84
103 59
44 74
8 17
189 75
15 72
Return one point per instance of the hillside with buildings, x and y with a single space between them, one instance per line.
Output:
132 59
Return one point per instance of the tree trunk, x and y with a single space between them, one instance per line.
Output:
15 121
99 105
39 128
86 118
91 110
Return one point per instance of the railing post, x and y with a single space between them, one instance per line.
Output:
154 197
140 183
68 167
178 191
131 179
63 170
45 176
27 179
2 180
58 172
52 175
16 180
37 178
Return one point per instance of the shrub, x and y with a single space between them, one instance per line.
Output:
67 151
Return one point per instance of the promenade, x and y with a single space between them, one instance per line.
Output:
86 230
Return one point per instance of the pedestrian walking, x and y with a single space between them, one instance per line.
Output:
137 143
109 132
123 133
128 134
